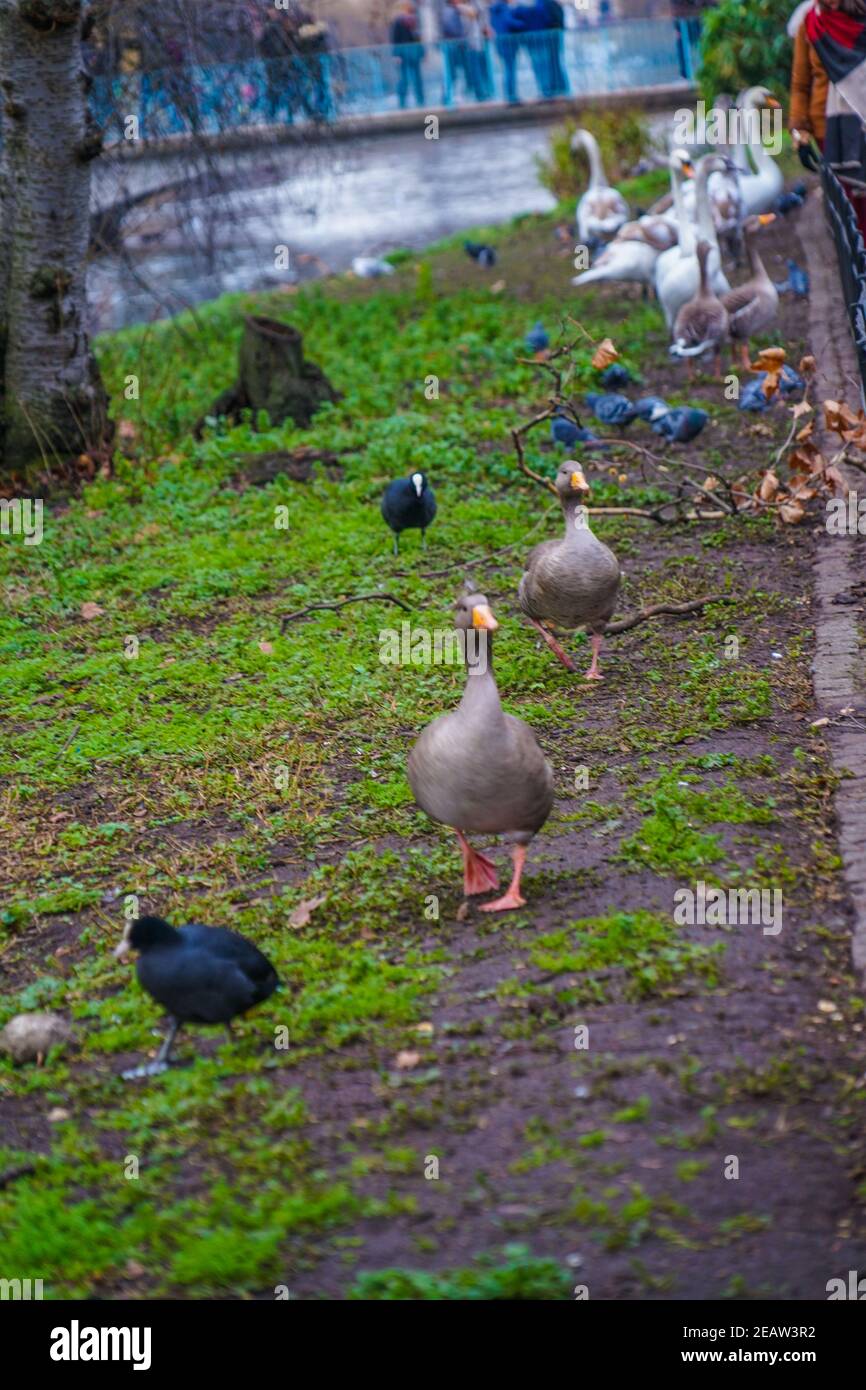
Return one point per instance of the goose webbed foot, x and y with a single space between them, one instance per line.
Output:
512 897
554 646
593 674
479 872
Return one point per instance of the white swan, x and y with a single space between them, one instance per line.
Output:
602 210
677 274
760 190
637 245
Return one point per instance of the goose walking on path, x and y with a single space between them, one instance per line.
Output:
574 581
752 306
481 770
702 324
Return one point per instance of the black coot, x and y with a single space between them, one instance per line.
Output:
408 503
199 975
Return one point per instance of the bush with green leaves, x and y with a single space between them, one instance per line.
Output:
623 137
746 45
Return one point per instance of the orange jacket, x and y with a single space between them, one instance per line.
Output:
809 83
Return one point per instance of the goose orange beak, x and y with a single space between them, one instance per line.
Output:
765 218
578 481
482 617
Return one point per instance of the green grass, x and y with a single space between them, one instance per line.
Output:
238 766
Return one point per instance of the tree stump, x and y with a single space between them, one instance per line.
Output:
273 375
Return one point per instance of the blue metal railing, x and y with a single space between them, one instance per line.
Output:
613 57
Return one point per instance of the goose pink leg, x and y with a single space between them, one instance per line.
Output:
512 897
593 674
554 646
479 872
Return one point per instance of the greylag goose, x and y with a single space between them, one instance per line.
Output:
480 770
573 581
702 323
752 306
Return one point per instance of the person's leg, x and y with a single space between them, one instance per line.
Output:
509 63
417 79
402 80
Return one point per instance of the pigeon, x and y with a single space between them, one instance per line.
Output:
751 395
615 376
565 431
681 424
484 255
790 381
407 504
647 406
537 339
611 408
798 280
371 268
788 202
198 974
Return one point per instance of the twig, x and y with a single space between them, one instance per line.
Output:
626 624
341 603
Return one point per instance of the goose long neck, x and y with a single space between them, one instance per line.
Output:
480 688
762 159
596 172
686 237
576 518
756 265
706 225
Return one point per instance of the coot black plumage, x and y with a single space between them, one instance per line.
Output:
198 974
408 503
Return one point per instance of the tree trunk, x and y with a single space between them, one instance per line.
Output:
273 375
52 402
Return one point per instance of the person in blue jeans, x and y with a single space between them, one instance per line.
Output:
507 29
408 51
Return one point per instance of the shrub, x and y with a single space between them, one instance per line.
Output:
623 138
746 45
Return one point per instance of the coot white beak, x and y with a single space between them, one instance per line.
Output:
418 481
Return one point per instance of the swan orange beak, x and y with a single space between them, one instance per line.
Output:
688 169
765 218
482 617
771 101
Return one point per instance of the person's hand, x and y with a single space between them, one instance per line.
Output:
807 154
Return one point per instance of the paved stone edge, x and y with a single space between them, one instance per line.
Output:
839 664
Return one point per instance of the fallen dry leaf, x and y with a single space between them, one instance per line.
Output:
771 359
768 486
91 610
604 354
791 511
406 1060
801 408
304 911
497 287
807 366
266 647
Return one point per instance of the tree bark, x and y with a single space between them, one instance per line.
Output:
273 375
52 402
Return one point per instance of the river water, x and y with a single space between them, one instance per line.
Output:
325 205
